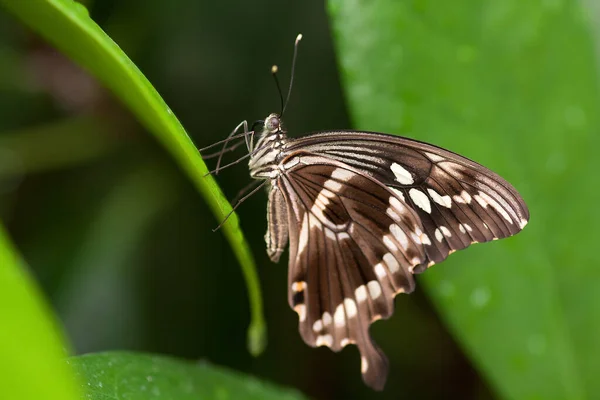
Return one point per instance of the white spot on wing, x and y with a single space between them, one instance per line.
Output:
402 175
484 200
395 203
350 306
461 227
364 364
301 310
481 201
327 193
318 326
438 235
379 270
391 262
374 289
416 238
522 223
446 231
332 185
324 340
389 243
464 197
341 174
434 157
339 317
399 235
298 286
420 199
327 318
398 193
393 215
361 293
441 200
321 202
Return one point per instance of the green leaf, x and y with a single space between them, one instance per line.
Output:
513 85
32 348
67 25
122 375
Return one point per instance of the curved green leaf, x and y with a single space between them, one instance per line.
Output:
121 375
514 85
31 347
67 25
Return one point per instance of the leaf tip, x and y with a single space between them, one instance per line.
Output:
257 339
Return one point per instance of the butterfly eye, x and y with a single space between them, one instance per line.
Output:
273 124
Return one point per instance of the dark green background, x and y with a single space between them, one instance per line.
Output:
123 246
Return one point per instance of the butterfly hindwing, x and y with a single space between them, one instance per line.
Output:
353 244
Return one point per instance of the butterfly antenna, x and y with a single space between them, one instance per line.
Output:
274 70
287 99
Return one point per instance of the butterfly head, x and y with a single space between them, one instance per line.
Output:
271 127
273 124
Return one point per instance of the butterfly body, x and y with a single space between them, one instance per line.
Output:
265 162
362 213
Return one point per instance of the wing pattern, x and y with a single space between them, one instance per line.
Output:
458 201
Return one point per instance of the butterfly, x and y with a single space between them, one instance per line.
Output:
362 213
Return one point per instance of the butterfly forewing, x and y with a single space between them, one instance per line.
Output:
459 202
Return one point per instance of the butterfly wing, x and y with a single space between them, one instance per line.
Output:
353 244
458 201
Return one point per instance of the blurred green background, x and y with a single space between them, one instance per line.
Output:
122 244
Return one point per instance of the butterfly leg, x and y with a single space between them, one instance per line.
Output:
245 125
238 203
218 153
